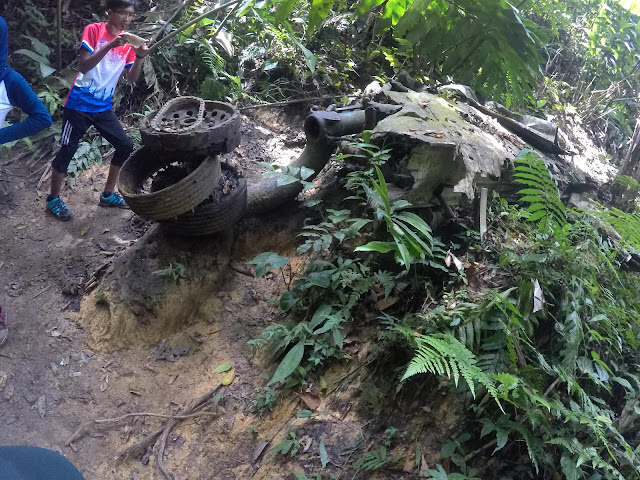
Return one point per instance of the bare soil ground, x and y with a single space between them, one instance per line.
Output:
51 382
62 368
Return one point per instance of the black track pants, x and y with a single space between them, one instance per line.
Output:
75 124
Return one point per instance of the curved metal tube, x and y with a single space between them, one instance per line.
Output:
320 129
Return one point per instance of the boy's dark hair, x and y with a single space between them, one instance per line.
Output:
120 4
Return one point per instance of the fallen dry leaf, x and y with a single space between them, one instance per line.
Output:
451 258
363 351
228 378
84 231
310 400
305 442
8 391
257 452
323 383
3 380
387 302
41 405
538 297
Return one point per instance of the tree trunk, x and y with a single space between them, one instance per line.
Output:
59 37
630 163
624 197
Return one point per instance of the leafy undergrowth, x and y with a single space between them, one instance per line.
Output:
534 329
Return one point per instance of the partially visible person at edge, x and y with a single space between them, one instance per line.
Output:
33 463
16 92
104 55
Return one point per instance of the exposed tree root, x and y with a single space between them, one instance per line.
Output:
189 411
106 423
192 410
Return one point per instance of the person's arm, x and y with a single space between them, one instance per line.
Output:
22 96
134 70
88 59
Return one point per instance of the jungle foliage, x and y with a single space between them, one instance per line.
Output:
535 328
546 56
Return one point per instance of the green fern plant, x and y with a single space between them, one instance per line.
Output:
376 460
628 182
442 354
340 226
541 193
626 224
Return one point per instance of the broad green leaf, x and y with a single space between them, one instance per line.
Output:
625 383
46 70
537 215
288 300
33 56
39 47
309 58
569 468
305 172
289 363
319 11
305 414
502 437
381 247
448 449
632 5
225 367
320 315
284 11
324 456
364 7
267 261
337 337
285 180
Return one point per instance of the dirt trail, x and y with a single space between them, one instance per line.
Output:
55 383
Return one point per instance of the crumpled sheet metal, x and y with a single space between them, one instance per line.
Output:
446 144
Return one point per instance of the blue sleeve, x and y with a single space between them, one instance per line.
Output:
22 96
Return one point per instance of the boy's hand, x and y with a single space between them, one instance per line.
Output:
119 41
141 51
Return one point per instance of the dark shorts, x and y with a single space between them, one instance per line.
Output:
32 463
76 123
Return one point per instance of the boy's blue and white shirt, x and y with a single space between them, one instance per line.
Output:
16 92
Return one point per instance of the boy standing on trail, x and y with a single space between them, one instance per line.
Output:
104 55
16 92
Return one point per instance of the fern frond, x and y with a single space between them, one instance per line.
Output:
545 206
626 224
376 459
386 281
535 446
252 52
196 8
444 355
572 328
212 59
